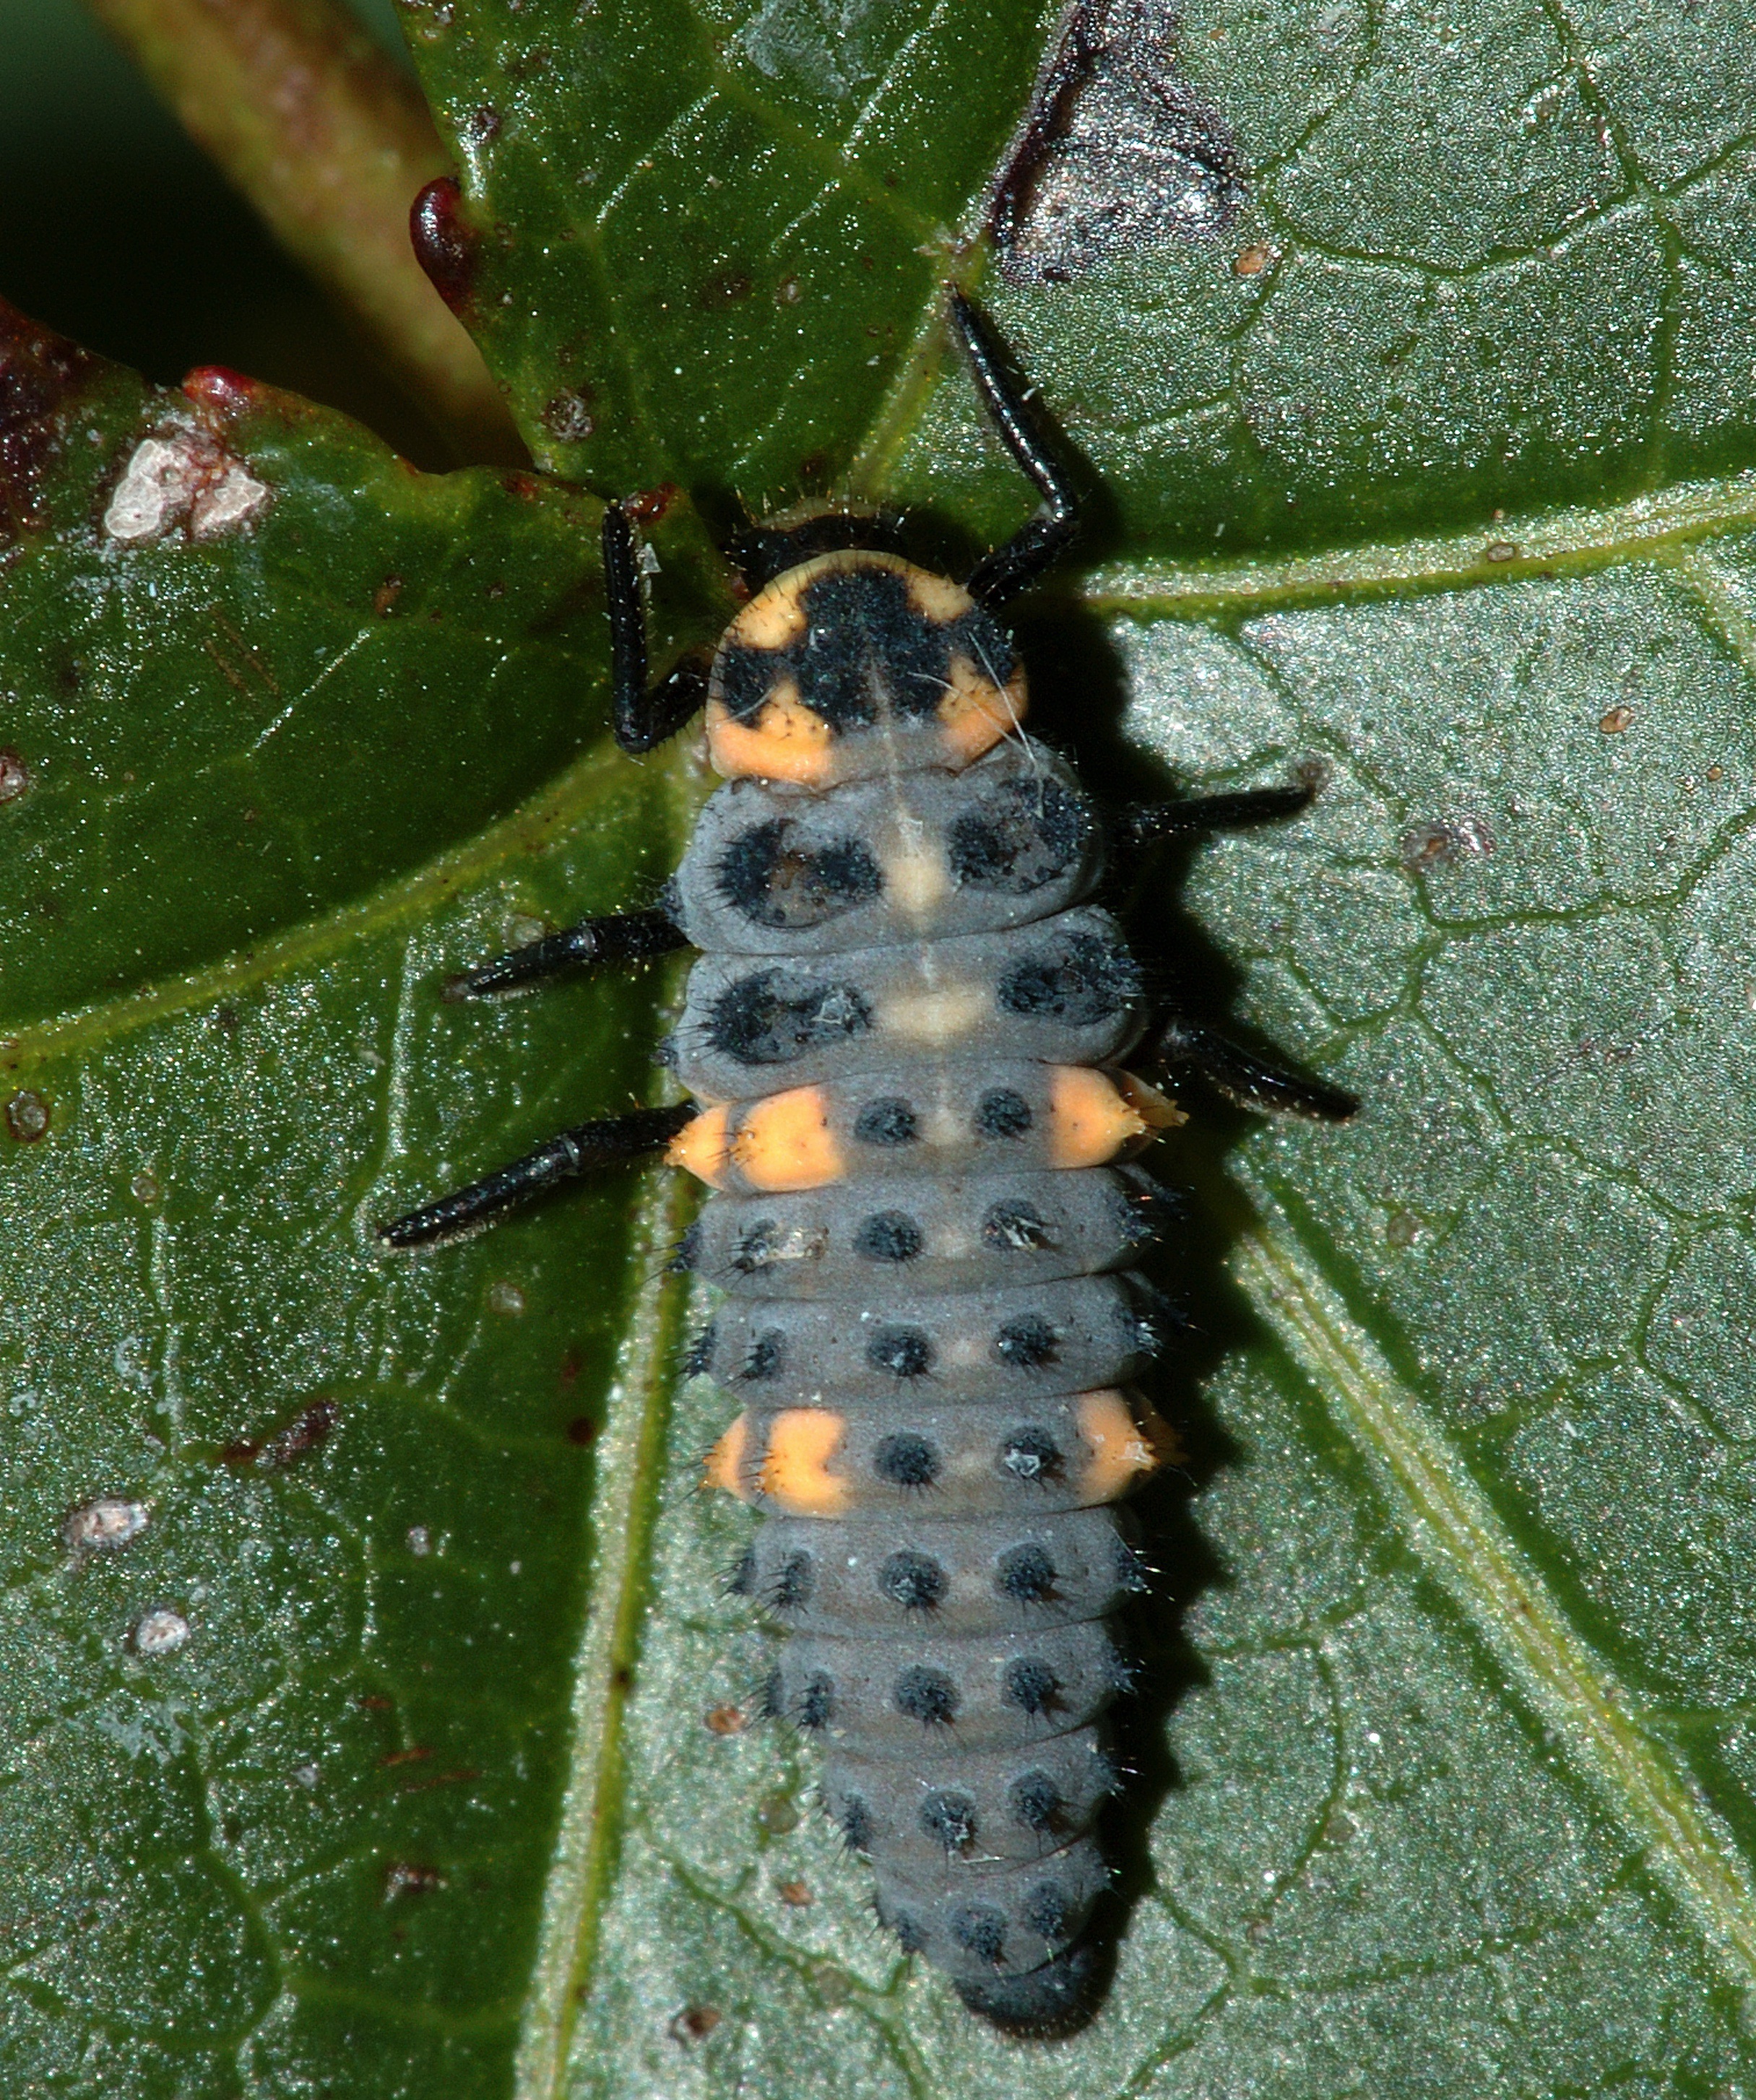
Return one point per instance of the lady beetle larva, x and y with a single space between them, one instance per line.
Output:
903 1035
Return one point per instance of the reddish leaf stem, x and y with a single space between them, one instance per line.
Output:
329 141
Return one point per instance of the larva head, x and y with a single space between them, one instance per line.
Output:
857 662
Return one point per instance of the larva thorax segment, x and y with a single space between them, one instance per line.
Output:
903 1025
857 663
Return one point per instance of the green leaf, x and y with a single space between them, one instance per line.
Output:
392 1747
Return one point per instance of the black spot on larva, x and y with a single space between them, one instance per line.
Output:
888 1236
1028 1342
907 1930
1047 1911
764 1356
1016 1227
1030 1685
926 1695
816 1700
906 1461
888 1121
913 1580
1032 1454
700 1353
775 1016
1026 1574
774 882
742 1575
902 1351
1131 1575
950 1819
855 1824
1025 834
1038 1802
682 1255
755 1246
1002 1113
1082 979
978 1928
793 1582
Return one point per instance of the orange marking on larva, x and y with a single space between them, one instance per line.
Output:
1089 1120
1157 1111
975 714
1121 1448
794 1470
725 1462
785 1143
784 740
774 617
701 1147
936 599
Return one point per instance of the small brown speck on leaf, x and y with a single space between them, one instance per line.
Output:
385 597
14 776
695 2023
794 1894
1615 720
727 1720
1255 259
1500 550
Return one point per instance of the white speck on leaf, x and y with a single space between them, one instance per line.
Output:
105 1524
184 479
160 1633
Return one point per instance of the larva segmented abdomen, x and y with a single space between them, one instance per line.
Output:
930 1316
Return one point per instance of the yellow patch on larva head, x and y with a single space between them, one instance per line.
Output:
699 1147
794 1470
975 713
1122 1449
783 740
725 1462
785 1142
1089 1121
936 598
775 617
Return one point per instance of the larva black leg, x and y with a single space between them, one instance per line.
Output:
642 719
625 936
1038 545
1145 824
580 1150
1251 1080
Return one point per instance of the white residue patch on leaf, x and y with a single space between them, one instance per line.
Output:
105 1525
183 480
159 1633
